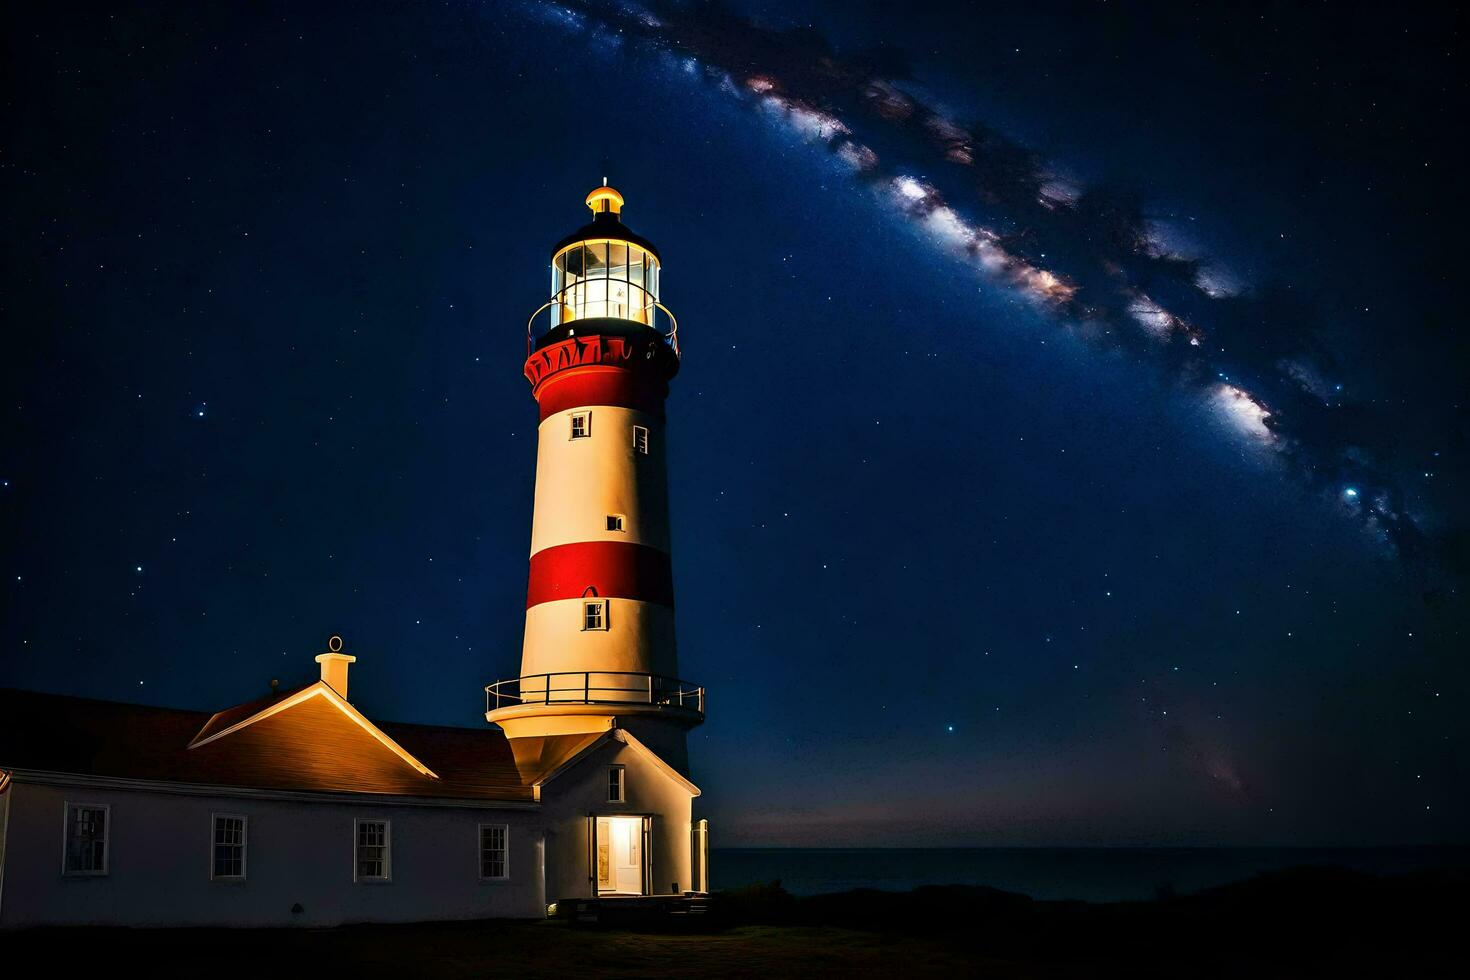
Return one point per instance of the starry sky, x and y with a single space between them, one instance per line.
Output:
1069 448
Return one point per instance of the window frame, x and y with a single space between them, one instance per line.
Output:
640 439
586 419
621 772
602 606
504 829
387 876
106 869
617 523
214 819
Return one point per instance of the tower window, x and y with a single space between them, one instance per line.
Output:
594 614
581 425
615 784
615 522
640 439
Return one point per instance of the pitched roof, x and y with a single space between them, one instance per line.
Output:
255 712
586 749
315 746
222 720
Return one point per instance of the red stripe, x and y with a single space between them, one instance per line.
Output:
602 385
612 569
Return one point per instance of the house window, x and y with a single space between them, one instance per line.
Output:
581 425
86 838
615 522
640 439
615 784
594 614
227 862
374 850
494 854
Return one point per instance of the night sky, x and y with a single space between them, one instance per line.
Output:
1069 448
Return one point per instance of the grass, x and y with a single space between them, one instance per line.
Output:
493 949
1304 923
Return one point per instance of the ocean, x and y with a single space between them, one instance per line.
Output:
1093 874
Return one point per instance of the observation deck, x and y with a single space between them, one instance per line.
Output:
594 692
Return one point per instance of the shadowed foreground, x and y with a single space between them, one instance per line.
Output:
1307 922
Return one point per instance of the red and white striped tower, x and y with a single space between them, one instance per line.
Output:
599 643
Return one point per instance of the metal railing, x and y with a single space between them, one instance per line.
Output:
671 337
611 687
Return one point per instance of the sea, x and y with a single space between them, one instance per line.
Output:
1090 874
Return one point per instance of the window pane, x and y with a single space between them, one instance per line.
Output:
617 299
617 261
635 266
575 263
372 850
86 840
638 306
596 297
492 852
573 302
229 847
596 259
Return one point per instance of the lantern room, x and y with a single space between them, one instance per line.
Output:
603 271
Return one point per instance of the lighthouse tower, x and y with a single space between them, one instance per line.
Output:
599 649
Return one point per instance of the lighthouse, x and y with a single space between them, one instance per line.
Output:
599 658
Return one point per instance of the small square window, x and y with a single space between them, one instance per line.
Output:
494 853
581 425
615 522
615 784
594 614
87 825
227 862
640 439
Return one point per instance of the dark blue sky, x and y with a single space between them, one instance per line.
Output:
957 566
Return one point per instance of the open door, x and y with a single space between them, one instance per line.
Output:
620 855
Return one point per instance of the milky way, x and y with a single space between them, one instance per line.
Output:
1090 257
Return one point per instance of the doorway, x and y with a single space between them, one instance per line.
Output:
620 855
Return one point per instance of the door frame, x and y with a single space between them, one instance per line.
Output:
647 860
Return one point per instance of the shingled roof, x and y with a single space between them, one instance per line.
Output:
314 745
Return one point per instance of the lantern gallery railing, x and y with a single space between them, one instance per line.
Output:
671 337
595 687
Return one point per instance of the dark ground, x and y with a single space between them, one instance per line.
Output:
1302 923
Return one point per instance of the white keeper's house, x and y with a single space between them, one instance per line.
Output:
301 808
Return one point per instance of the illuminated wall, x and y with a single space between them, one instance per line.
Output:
583 790
298 852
